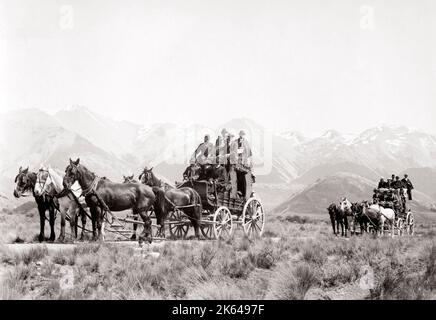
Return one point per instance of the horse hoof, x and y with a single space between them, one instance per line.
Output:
133 237
40 238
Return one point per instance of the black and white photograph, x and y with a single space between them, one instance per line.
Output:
238 151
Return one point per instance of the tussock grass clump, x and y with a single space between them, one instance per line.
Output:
33 254
313 253
291 282
429 257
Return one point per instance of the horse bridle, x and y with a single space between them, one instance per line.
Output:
28 186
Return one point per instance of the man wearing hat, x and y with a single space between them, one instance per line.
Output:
408 185
240 166
203 153
382 184
222 147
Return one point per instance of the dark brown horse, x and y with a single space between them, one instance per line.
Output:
338 218
360 219
169 198
103 195
25 182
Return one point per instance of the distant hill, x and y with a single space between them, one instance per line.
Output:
317 197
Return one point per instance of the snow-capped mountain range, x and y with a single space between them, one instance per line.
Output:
115 148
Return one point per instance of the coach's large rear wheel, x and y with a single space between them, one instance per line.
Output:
222 223
253 218
178 224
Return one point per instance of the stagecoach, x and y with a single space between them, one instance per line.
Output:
222 214
395 200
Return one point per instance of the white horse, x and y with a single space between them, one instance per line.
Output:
49 182
387 215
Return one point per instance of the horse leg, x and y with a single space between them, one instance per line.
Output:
62 233
41 210
146 232
333 225
346 226
195 223
51 211
135 226
100 224
393 228
94 222
73 223
83 217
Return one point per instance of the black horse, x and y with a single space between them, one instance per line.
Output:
169 199
102 195
25 182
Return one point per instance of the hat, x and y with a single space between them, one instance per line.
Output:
242 133
224 131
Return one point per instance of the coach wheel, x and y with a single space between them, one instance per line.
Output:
207 230
178 224
400 227
253 218
222 223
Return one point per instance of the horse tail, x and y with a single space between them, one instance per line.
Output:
159 204
198 205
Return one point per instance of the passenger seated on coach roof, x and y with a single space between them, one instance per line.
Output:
203 154
382 184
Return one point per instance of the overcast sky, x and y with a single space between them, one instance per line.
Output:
303 65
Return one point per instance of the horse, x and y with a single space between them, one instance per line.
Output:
359 218
378 216
332 208
49 183
103 195
168 198
345 209
25 182
337 218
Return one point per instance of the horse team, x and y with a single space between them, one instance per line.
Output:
102 196
367 216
